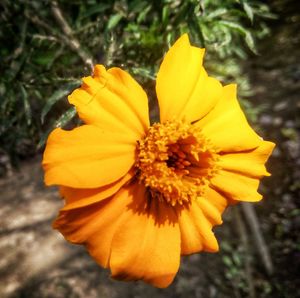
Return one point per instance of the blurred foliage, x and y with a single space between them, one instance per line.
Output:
40 66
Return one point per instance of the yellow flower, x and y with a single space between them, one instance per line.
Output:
139 196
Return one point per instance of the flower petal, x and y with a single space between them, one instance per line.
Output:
236 186
196 228
226 125
147 243
112 100
210 211
250 163
203 99
95 225
87 157
183 88
76 197
215 198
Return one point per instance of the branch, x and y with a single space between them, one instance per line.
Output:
69 38
260 243
243 235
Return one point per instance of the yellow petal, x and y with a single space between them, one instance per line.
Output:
147 243
76 197
87 157
96 224
195 229
210 211
112 100
215 198
236 186
203 99
183 88
250 163
226 125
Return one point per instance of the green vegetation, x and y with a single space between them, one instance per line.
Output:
46 47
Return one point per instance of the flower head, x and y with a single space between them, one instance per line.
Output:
139 196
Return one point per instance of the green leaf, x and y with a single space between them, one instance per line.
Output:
237 259
165 15
141 17
250 42
234 26
44 58
95 9
246 33
143 72
27 108
113 21
248 10
227 261
56 96
64 119
196 28
217 13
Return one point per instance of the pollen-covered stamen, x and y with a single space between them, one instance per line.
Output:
177 158
176 161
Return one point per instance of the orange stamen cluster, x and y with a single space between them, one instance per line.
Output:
176 161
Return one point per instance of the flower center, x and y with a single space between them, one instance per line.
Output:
176 162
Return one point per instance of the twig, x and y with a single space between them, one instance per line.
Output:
260 243
110 50
72 42
44 37
243 235
37 21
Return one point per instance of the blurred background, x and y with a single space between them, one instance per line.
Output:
47 46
